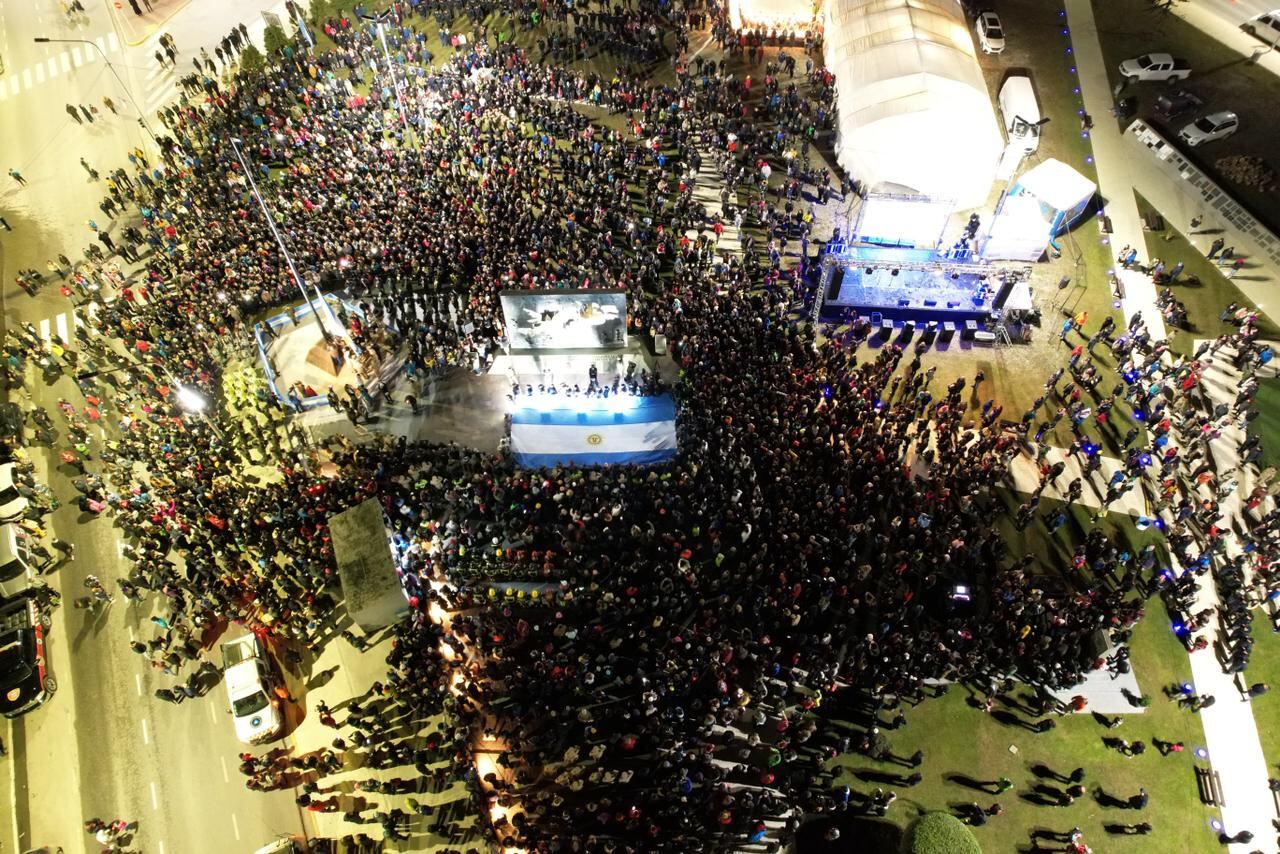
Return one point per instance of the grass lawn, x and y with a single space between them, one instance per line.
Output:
1264 666
1267 424
960 740
1205 301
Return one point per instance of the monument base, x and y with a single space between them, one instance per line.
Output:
321 357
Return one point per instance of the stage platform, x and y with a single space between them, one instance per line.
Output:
906 285
572 365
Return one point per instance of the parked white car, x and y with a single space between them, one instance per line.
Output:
12 504
1265 27
990 32
1208 128
251 679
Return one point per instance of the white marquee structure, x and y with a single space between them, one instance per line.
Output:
914 112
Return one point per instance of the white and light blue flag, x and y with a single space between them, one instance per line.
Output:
622 429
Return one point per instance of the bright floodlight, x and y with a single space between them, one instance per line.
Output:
190 400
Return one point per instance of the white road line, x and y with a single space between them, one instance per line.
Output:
13 777
155 799
235 826
112 42
132 636
44 328
160 845
226 778
39 76
137 683
66 62
146 736
213 715
64 334
100 43
52 65
26 80
76 57
15 86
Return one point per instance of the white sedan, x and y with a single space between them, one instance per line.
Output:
990 32
1210 127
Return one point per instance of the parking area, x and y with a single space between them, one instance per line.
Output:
1219 78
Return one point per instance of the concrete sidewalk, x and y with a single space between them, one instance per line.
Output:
1231 733
1115 183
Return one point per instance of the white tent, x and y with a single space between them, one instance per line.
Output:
914 111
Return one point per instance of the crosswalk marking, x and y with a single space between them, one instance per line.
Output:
43 70
64 325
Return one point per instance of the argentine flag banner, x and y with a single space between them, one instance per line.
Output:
618 430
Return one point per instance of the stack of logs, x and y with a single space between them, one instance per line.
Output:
1251 172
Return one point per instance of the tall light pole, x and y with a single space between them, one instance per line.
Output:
288 259
378 21
128 94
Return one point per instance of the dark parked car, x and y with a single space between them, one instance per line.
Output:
25 681
1176 103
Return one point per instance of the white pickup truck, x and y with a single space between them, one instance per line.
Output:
1155 66
250 677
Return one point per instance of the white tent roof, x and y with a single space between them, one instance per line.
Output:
914 111
1057 184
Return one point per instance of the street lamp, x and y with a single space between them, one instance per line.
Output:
191 400
288 259
128 94
378 21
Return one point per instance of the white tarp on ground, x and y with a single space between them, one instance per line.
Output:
914 113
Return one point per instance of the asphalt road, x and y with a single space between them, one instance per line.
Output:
103 746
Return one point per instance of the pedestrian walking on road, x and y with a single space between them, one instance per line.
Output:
109 104
93 173
1215 247
87 114
17 176
5 224
71 111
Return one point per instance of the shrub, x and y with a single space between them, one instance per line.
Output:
939 833
251 60
275 40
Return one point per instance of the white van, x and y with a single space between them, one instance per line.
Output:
1020 112
16 574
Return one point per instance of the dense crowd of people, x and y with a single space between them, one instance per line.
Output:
824 536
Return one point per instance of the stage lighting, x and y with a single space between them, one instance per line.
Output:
960 593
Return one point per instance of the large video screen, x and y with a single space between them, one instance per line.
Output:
565 319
